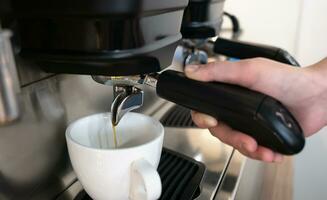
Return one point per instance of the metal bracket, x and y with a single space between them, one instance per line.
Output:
127 98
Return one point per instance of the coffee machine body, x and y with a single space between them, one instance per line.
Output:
57 39
202 19
101 37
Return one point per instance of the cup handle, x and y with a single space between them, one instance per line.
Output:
145 181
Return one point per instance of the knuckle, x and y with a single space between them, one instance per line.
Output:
226 140
250 72
254 156
260 60
245 153
219 134
210 71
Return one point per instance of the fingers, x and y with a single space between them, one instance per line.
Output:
258 74
240 141
266 155
244 144
203 120
225 71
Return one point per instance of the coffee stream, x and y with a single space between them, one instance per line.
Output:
114 134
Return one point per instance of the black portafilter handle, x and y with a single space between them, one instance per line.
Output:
250 112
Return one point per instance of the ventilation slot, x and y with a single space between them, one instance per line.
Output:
180 176
178 117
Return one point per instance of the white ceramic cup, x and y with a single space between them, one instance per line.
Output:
128 172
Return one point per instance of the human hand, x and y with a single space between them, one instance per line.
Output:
302 90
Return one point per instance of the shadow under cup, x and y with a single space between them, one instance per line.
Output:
104 171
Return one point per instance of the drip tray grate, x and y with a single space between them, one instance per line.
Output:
178 117
180 177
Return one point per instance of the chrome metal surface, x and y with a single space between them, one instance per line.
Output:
202 146
71 192
34 163
127 98
179 57
32 149
29 72
118 80
196 57
252 180
9 86
232 177
194 43
191 52
151 80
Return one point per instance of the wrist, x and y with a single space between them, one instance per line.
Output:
316 75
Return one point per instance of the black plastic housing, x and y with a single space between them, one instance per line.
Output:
5 7
100 37
202 19
253 113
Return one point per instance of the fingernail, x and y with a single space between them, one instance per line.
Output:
208 120
191 68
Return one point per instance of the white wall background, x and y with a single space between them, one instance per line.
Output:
312 35
265 21
311 166
299 26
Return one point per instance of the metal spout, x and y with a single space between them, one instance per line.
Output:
127 98
9 87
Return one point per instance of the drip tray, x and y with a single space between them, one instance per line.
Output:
180 177
178 117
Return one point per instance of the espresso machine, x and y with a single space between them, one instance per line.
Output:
55 54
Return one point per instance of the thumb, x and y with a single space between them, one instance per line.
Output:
257 74
223 71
